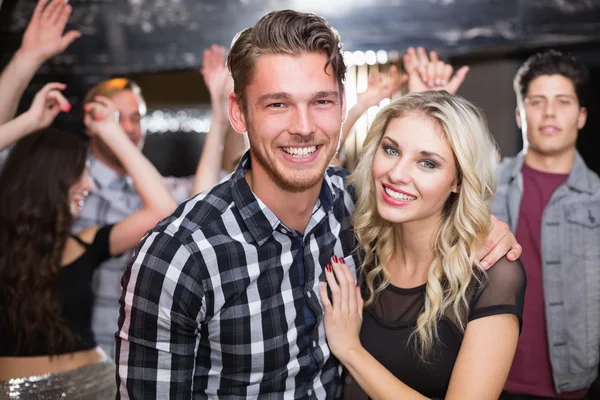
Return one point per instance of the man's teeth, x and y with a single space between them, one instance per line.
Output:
300 152
398 196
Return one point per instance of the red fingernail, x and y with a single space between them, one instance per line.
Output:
335 258
67 108
342 261
97 117
86 107
328 267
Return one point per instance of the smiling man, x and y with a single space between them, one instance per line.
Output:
221 299
551 200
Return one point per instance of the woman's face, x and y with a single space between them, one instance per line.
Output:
78 192
414 170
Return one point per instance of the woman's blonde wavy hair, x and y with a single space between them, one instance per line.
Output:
466 214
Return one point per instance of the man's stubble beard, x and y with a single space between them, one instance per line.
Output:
279 179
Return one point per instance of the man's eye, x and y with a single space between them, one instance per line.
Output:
276 105
324 102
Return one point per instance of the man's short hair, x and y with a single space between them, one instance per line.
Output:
552 62
283 32
111 87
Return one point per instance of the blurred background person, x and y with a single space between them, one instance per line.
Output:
47 348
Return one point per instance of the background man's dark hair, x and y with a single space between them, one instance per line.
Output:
552 62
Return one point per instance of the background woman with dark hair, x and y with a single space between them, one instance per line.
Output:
46 344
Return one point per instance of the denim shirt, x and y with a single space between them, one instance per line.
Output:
570 240
113 199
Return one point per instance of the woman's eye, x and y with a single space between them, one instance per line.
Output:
390 150
428 164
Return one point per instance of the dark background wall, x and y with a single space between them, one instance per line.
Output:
160 43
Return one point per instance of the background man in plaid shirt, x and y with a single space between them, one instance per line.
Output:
221 299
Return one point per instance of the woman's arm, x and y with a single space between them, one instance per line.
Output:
46 105
42 40
481 368
485 357
157 200
343 319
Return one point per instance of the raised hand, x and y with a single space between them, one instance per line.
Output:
47 104
343 313
430 73
216 76
100 115
382 85
44 38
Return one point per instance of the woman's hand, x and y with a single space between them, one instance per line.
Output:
343 313
100 116
47 104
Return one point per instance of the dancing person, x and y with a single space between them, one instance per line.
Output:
43 39
47 348
116 198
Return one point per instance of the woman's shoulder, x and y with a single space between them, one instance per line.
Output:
77 244
503 283
509 273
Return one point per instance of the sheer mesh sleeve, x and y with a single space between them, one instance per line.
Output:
502 291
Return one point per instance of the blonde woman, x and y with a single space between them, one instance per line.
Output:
434 323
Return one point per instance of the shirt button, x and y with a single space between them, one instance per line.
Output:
309 392
308 294
283 230
314 343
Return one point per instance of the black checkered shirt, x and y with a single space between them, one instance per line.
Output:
213 305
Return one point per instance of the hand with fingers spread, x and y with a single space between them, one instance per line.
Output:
44 37
499 243
343 312
430 73
382 85
47 104
217 78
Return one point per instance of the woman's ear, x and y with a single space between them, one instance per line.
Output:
455 187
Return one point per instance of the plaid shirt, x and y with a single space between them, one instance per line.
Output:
113 199
212 303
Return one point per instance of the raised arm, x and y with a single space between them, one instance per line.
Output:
46 105
381 85
42 40
214 154
158 203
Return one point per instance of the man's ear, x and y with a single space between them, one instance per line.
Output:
236 114
518 117
582 118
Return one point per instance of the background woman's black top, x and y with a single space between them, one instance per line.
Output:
389 322
77 297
